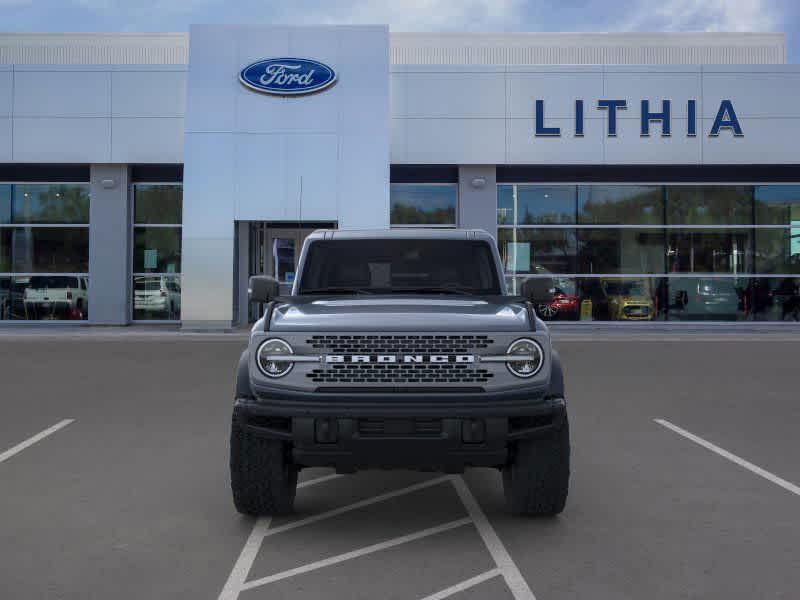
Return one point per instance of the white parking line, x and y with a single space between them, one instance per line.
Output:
245 561
33 439
359 504
322 479
514 580
417 535
731 457
236 580
464 585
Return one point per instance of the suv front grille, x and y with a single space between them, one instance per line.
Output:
394 373
399 373
399 344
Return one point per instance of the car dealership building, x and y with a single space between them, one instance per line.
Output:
144 177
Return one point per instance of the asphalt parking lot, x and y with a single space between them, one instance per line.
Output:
114 483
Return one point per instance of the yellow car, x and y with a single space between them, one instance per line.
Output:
628 299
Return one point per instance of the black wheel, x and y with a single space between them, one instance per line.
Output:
536 481
263 478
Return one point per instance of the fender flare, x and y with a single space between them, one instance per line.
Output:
556 389
242 388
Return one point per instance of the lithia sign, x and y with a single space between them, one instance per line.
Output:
726 119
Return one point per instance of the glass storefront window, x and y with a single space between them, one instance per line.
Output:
778 250
534 249
778 205
44 251
710 251
156 297
157 250
620 251
704 299
158 204
536 204
157 214
620 204
709 205
44 204
423 204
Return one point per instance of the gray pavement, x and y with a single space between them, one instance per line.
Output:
131 499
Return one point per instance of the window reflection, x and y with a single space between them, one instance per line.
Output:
710 251
551 249
423 204
44 297
620 204
157 214
621 250
156 297
709 205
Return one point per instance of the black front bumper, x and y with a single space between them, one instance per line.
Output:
441 434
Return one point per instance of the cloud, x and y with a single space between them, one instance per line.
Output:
415 15
705 15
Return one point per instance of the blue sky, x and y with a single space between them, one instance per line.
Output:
414 15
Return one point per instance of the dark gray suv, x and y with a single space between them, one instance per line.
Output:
399 349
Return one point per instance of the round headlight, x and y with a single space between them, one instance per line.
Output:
527 358
266 358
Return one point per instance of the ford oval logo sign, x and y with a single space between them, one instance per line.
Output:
287 76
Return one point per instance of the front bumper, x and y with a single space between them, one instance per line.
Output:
418 435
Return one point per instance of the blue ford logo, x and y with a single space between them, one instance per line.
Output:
287 76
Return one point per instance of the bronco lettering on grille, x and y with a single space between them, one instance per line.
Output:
400 358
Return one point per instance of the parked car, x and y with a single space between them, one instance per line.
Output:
564 303
628 299
156 296
704 298
56 297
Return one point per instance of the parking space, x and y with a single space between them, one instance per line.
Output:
131 498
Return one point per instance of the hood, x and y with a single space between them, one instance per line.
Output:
407 313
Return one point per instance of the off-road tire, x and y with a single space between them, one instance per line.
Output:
263 479
536 481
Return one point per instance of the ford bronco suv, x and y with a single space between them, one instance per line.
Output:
399 349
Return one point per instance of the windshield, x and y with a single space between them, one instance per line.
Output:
383 266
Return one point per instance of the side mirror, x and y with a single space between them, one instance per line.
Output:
538 289
262 288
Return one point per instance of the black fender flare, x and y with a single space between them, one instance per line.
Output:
556 389
243 389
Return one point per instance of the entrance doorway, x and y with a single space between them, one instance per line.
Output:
275 250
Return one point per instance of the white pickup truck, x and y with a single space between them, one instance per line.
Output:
56 297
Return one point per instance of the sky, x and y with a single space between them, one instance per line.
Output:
414 15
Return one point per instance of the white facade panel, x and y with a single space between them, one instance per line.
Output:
147 140
677 87
558 90
211 188
148 93
5 139
76 140
765 141
753 94
264 154
455 141
524 148
454 95
62 93
6 91
630 148
311 177
210 89
282 158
